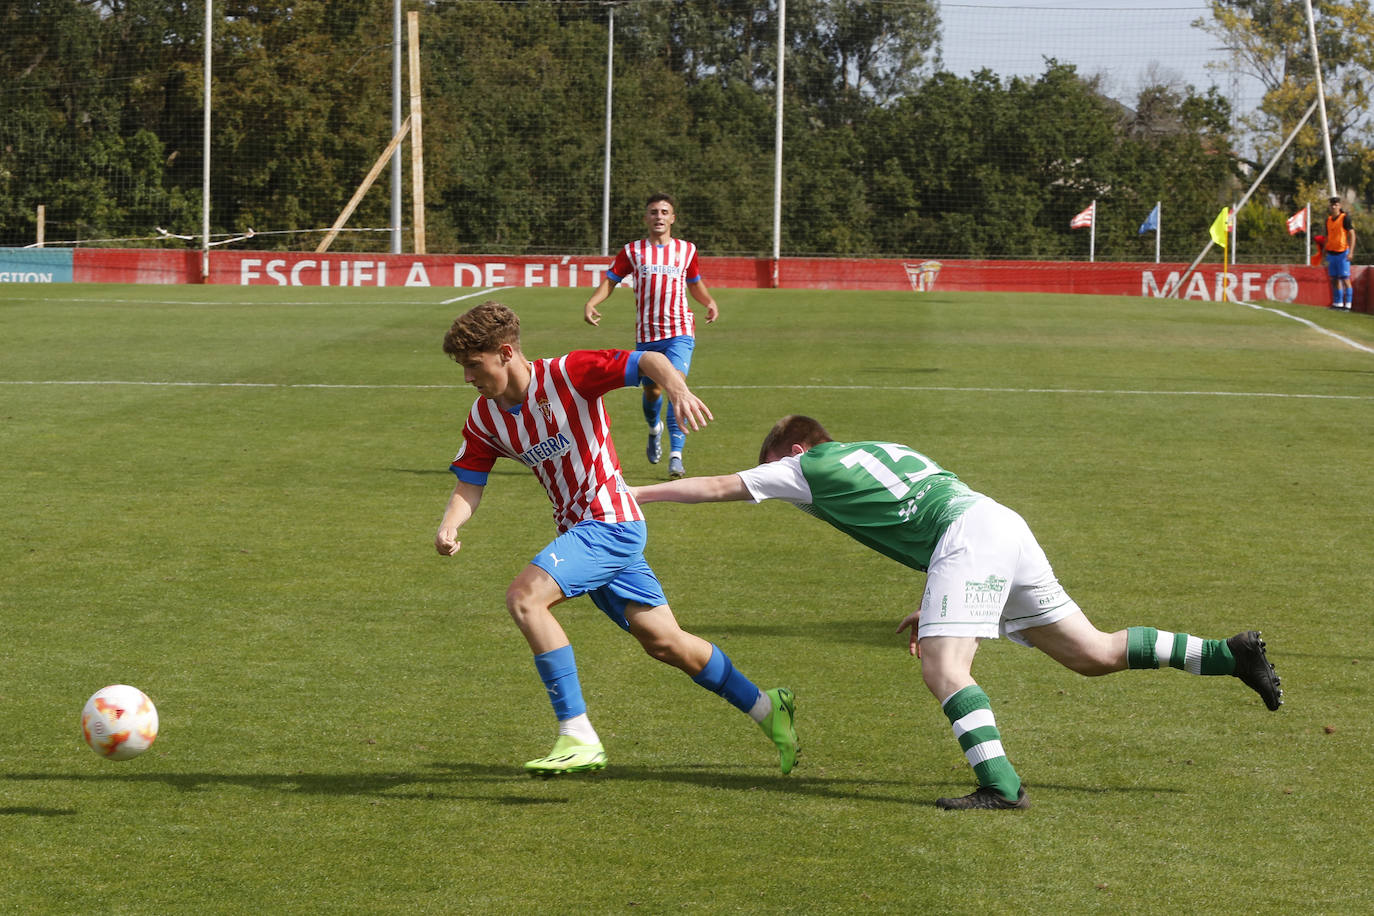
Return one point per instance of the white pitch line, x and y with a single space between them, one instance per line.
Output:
114 382
480 292
1313 325
953 389
974 390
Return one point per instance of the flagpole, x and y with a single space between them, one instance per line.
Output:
1307 224
1159 219
1092 235
1225 280
1225 253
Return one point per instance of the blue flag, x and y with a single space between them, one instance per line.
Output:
1151 222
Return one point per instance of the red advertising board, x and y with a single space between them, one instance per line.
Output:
1244 282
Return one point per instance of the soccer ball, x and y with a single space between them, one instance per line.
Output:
119 722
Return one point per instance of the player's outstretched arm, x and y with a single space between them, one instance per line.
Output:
460 507
725 488
589 312
692 412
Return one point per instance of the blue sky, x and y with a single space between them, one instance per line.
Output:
1127 42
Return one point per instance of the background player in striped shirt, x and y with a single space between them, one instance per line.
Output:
986 576
664 271
548 415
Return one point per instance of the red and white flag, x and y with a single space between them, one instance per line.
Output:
1084 219
1297 222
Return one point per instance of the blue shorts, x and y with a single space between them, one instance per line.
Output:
677 349
604 561
1338 264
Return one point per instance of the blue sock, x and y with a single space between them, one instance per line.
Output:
1349 295
676 437
558 671
721 677
653 408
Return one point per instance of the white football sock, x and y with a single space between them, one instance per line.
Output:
579 727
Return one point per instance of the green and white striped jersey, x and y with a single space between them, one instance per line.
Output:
885 496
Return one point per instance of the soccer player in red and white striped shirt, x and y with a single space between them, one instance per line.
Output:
664 270
548 415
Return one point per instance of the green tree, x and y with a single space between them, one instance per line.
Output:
102 117
979 167
1270 40
1177 152
301 110
90 96
844 61
515 100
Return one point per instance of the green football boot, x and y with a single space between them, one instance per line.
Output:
568 756
778 726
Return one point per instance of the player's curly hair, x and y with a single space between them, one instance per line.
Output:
482 329
793 429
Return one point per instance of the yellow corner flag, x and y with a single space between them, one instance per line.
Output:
1218 230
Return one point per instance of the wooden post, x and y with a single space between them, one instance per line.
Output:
42 223
417 151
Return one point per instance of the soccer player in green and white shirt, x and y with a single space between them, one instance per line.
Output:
986 576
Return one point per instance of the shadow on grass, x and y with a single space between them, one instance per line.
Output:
892 791
896 370
866 631
1346 371
25 811
439 782
395 784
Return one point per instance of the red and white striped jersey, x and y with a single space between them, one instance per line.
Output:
661 274
561 432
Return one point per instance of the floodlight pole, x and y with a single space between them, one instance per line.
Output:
1321 100
777 144
205 156
396 118
606 164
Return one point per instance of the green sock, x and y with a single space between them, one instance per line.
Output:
970 714
1147 647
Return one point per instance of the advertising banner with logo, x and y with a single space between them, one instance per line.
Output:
36 265
1284 283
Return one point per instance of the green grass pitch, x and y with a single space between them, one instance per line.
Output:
227 497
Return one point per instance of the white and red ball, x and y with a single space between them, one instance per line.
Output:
119 722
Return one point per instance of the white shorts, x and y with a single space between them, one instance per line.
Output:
989 577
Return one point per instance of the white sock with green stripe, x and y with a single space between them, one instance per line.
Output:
970 715
1147 647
